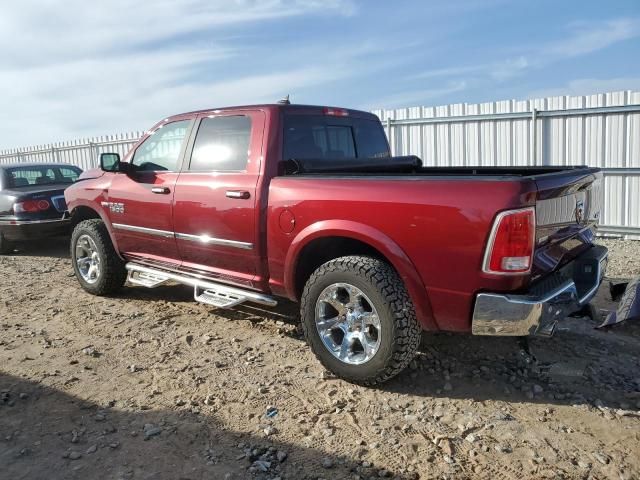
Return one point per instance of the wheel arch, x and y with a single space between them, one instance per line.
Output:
326 240
85 211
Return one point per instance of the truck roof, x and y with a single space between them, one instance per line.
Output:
289 108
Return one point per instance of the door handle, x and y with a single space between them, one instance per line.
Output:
161 190
240 194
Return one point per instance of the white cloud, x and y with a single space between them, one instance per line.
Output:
582 38
590 37
80 68
418 97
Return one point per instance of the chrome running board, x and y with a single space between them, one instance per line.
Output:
145 279
205 291
217 298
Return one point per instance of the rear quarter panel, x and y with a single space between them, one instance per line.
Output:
439 224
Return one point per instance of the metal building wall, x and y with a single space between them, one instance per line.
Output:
600 130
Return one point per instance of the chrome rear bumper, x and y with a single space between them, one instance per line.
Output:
547 302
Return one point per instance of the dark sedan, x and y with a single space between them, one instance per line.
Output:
32 201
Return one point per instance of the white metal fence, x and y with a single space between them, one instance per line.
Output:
597 130
600 130
84 153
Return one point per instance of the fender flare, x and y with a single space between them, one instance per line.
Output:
376 239
96 208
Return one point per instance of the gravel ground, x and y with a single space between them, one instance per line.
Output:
149 385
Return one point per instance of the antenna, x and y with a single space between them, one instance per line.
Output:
285 100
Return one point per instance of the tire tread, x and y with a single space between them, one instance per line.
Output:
114 272
383 277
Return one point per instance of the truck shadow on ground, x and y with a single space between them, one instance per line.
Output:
47 433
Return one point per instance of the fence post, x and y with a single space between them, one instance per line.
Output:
534 136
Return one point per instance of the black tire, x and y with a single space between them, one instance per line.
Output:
112 271
6 247
400 331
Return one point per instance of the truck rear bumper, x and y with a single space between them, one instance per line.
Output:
547 302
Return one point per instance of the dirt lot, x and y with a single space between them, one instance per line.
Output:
150 385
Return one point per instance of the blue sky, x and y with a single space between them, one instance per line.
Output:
76 68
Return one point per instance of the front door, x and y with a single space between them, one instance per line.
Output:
140 203
215 214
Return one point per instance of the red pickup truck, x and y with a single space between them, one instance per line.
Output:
253 203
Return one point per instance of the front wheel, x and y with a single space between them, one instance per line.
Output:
96 264
359 320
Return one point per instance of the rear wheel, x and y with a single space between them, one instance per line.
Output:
96 264
359 320
6 247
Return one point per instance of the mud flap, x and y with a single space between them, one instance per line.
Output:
629 307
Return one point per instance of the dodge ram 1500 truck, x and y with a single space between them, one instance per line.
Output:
256 203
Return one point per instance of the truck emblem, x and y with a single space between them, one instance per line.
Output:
114 207
579 212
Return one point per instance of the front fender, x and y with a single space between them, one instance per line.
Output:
376 239
93 205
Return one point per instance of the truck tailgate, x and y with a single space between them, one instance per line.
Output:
568 208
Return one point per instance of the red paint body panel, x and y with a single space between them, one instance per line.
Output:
432 229
435 227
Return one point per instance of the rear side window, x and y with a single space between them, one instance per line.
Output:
222 144
41 175
161 150
324 137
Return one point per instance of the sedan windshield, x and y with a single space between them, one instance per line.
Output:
42 175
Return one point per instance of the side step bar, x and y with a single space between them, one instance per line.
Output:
205 291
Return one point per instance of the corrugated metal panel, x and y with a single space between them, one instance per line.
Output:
579 130
83 153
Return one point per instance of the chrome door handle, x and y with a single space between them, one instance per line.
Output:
240 194
161 190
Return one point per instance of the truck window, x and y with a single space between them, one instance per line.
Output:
222 144
323 137
161 150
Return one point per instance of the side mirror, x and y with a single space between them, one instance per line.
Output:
110 162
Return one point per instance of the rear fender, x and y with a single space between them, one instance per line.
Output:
376 239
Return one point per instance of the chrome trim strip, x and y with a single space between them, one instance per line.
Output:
207 240
150 231
34 222
205 284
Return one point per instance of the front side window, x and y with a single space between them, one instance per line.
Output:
222 144
161 150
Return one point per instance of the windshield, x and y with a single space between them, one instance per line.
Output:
326 137
27 176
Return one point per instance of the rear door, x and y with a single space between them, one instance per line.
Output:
215 205
140 203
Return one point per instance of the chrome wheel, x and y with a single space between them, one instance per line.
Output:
348 323
88 259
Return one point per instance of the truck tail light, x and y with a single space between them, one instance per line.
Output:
335 112
511 243
31 206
